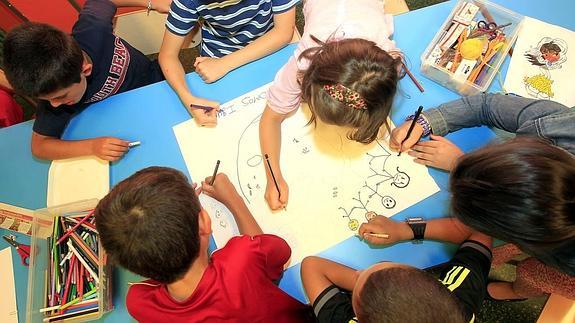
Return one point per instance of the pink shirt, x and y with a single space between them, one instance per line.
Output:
323 18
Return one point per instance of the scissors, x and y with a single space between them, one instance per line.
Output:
22 249
491 28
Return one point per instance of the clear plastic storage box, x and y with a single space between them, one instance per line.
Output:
42 230
470 46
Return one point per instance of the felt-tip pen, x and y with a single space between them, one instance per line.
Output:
133 144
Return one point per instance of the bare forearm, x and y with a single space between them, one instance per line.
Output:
130 3
318 274
264 45
244 219
175 75
270 141
54 148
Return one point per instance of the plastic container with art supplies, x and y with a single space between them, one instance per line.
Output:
69 278
466 53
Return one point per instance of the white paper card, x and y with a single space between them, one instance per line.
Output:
333 181
543 65
8 308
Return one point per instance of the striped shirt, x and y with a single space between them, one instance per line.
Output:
227 25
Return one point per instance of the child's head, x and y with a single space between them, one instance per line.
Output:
149 224
391 292
43 62
521 191
351 83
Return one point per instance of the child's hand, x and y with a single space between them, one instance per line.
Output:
108 148
202 117
399 133
223 190
397 231
438 152
161 6
277 201
210 69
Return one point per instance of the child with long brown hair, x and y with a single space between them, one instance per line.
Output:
345 67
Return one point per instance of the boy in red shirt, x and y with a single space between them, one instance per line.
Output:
152 224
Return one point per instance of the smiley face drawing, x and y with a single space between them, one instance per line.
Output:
353 224
388 202
401 179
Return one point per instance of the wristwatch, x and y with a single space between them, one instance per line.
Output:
417 225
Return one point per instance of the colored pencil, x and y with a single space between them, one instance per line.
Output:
215 173
203 107
417 113
379 235
273 176
75 227
413 79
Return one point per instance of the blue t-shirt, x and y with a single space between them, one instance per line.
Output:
227 25
117 67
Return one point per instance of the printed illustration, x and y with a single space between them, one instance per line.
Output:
542 66
548 55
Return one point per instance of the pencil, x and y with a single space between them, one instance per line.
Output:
412 77
417 113
75 227
215 173
273 176
203 107
379 235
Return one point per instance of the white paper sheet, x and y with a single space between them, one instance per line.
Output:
333 181
75 179
543 65
8 308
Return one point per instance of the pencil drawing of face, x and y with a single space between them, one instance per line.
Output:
388 202
401 179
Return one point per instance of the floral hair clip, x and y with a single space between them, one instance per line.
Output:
345 95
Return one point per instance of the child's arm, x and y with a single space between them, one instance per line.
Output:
317 274
270 144
51 148
510 113
224 191
212 69
162 6
174 72
444 229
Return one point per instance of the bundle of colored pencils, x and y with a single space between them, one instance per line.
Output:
73 272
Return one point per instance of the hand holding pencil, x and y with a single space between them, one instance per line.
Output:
399 140
380 230
204 112
277 190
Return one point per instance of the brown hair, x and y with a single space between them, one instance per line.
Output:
40 59
405 294
361 66
521 191
148 224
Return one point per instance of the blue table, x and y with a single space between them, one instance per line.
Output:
148 114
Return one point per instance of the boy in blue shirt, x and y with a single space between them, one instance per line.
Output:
69 72
234 33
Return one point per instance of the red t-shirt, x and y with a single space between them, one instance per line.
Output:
10 111
237 286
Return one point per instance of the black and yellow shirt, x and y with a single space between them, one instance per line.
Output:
465 275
